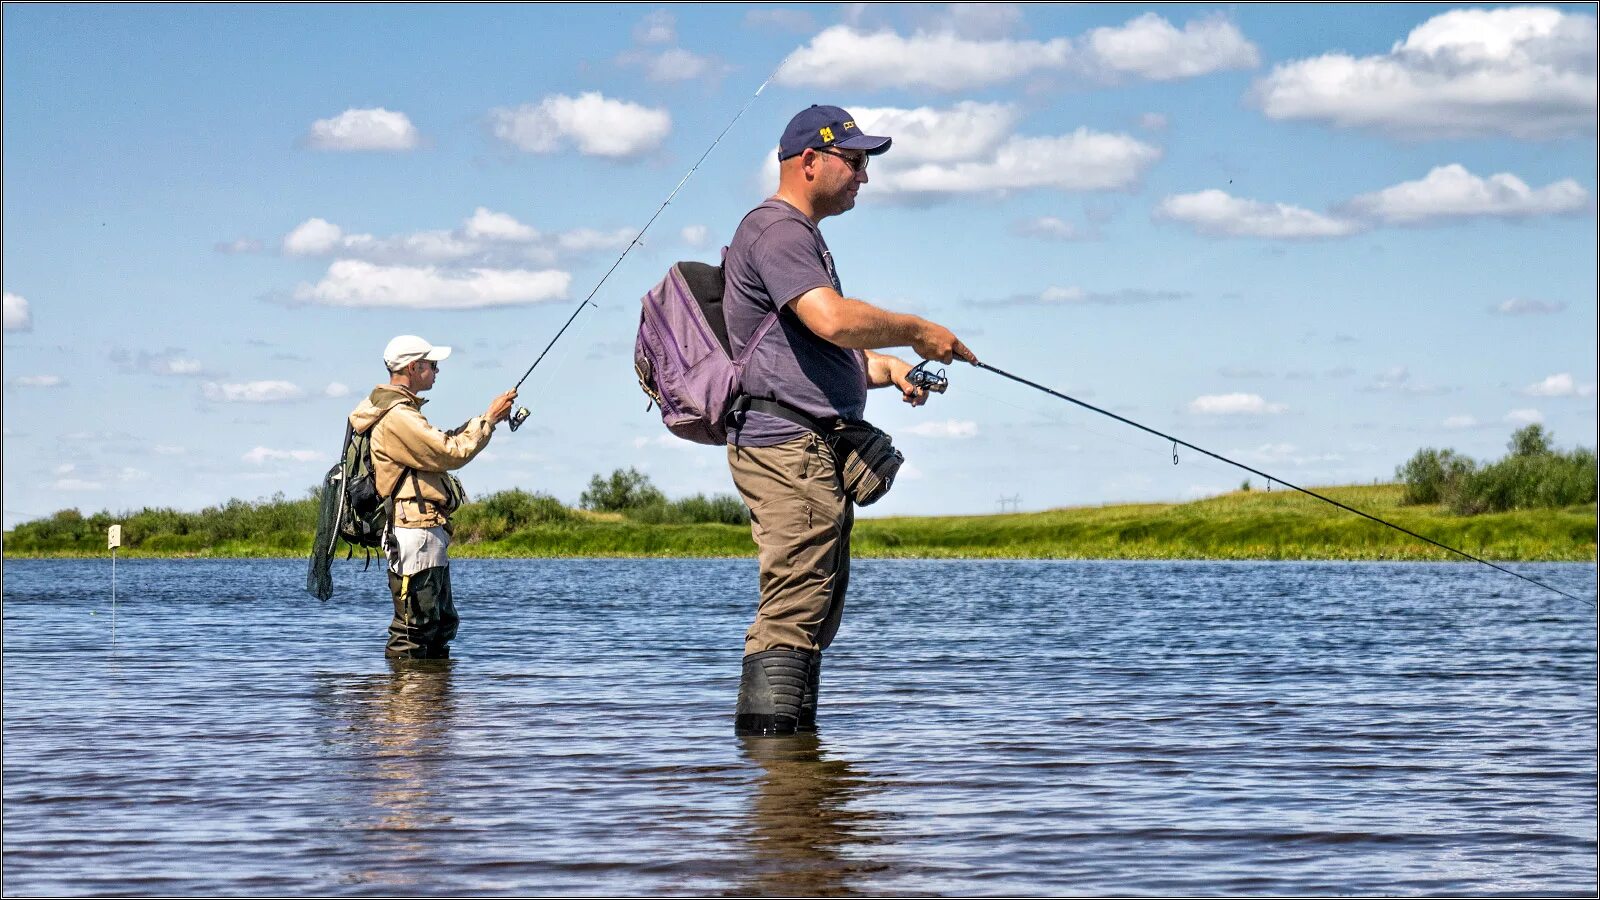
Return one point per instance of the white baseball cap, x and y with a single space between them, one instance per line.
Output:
407 349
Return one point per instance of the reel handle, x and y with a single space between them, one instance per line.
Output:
934 382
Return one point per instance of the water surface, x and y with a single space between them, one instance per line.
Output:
986 728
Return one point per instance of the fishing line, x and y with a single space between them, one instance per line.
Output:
522 414
1176 442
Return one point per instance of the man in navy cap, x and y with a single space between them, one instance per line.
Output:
811 370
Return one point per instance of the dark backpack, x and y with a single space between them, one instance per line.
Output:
351 509
683 357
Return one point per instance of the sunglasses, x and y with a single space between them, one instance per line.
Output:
856 163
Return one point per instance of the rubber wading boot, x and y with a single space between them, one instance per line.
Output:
770 691
808 700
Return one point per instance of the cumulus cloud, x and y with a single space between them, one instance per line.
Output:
1524 71
1077 296
659 27
1562 385
487 239
251 392
597 125
1459 422
695 235
1524 417
1234 405
1398 379
336 389
356 283
1521 306
950 428
1217 214
17 315
364 129
964 131
1453 192
671 64
964 51
1082 161
39 381
261 455
1150 47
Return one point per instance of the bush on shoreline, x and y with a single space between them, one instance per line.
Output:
1533 475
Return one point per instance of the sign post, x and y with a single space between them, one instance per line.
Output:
113 541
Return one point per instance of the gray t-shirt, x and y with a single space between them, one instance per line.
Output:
776 255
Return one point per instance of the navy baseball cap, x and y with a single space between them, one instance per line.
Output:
827 126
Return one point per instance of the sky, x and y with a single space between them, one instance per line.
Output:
1313 238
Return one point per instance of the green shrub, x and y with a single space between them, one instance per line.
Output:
1532 475
624 490
1434 476
723 509
508 512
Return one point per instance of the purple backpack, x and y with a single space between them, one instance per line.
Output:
683 357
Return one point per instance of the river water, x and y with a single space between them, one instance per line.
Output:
1074 728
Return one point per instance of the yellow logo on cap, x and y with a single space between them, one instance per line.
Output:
827 135
849 125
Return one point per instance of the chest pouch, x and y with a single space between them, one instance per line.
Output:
867 460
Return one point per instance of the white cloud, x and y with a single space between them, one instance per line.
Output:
695 235
487 239
1562 385
1525 71
488 225
1524 417
1522 306
168 362
1153 121
39 381
313 237
336 389
964 50
978 20
671 64
1234 405
262 455
964 131
1082 161
251 392
17 316
1453 192
950 428
842 57
76 484
597 125
355 283
1460 422
1216 213
364 129
1150 47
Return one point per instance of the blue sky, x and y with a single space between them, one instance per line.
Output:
1313 238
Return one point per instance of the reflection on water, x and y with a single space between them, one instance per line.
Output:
395 730
808 830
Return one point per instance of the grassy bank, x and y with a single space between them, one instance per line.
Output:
1245 525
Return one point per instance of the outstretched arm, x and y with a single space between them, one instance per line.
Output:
858 325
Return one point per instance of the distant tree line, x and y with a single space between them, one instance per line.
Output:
284 524
1532 475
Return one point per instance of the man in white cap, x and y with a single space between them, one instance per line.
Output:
411 462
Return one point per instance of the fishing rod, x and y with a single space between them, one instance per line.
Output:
521 415
922 377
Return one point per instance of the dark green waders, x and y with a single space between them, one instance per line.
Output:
424 615
778 692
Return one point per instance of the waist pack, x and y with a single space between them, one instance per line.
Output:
682 354
867 460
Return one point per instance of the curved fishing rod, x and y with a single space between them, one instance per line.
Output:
1271 478
521 414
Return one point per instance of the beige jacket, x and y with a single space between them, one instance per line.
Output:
403 439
